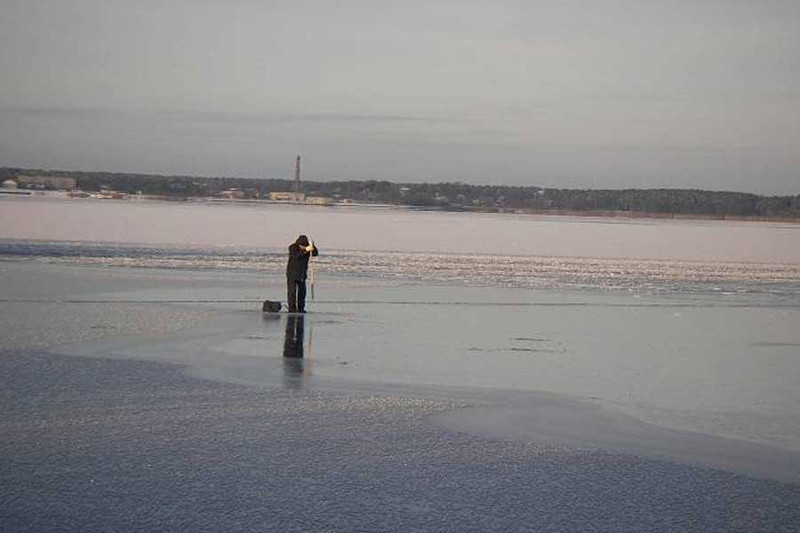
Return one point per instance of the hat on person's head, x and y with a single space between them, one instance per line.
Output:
302 240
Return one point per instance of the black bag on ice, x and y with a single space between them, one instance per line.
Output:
270 306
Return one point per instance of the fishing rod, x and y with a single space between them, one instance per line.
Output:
311 275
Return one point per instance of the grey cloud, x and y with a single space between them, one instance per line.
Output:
617 92
223 117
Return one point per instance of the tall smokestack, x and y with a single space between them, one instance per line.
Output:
297 187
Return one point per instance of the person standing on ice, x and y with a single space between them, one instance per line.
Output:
300 251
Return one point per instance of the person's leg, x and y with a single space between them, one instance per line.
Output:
291 295
301 296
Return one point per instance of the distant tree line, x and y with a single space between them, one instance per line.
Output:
451 196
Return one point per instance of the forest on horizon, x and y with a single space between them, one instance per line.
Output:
454 196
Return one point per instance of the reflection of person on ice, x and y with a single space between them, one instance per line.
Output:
295 335
296 271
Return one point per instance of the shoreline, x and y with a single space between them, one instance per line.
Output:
591 214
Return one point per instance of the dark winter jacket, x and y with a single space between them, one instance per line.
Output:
297 267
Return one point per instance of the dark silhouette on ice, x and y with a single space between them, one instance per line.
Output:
294 363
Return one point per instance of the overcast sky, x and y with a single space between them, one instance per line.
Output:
556 93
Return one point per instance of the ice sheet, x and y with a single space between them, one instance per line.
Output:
693 364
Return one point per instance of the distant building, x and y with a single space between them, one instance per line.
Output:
296 197
10 184
234 194
317 200
105 194
47 182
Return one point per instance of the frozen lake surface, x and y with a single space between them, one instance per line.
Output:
269 227
724 366
688 324
658 340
